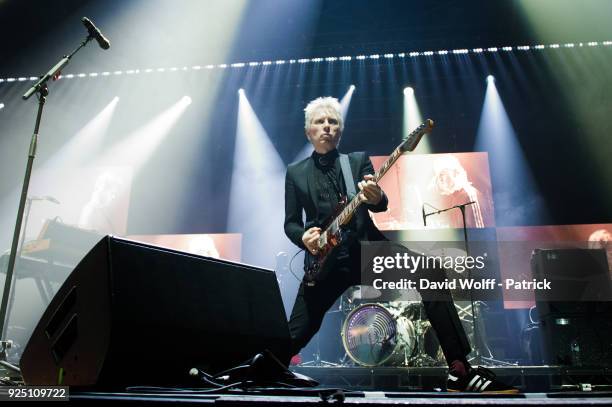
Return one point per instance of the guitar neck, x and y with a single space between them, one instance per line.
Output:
407 145
351 207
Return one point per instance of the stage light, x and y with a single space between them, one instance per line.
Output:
346 101
68 76
1 105
136 148
256 164
93 74
87 141
412 119
33 78
516 196
241 91
106 73
332 59
22 79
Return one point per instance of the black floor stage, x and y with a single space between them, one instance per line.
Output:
528 379
539 385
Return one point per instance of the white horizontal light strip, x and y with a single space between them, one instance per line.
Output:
344 58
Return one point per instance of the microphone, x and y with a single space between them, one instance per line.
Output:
424 217
95 33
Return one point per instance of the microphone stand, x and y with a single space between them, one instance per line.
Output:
41 88
477 358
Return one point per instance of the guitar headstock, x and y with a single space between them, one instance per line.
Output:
414 138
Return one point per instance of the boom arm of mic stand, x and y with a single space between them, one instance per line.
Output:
54 71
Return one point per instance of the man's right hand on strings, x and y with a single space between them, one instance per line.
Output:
310 239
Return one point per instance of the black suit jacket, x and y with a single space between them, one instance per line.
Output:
301 191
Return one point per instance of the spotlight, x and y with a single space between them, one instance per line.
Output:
115 99
186 100
352 87
241 91
490 79
408 90
1 105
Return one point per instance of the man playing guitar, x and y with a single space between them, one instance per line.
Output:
316 186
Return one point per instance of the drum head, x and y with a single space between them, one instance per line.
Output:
369 335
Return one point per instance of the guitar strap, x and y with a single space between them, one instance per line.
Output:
348 176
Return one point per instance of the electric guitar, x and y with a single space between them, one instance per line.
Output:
333 232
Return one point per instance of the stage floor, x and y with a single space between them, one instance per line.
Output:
539 379
310 397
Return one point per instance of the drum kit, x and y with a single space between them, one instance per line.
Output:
390 334
395 333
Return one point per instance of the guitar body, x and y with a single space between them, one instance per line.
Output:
333 237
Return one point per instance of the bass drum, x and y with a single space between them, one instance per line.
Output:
373 336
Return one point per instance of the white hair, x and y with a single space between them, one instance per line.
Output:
326 104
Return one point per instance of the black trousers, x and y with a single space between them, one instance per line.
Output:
312 302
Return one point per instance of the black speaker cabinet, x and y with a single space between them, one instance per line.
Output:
131 313
580 281
576 314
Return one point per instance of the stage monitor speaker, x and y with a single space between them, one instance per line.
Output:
136 314
579 278
576 314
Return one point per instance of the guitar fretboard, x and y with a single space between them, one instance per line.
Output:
407 145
